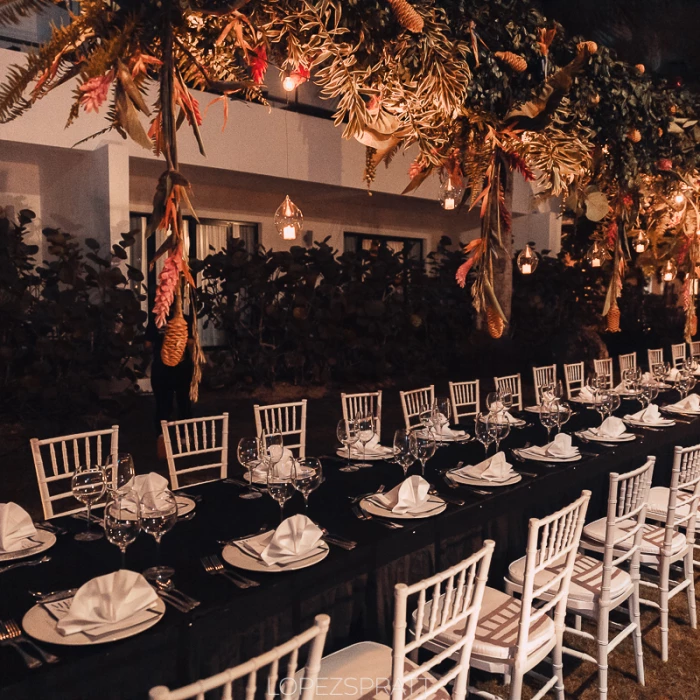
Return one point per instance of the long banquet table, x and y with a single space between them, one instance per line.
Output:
354 587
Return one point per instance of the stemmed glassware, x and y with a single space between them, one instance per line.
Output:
500 429
307 476
248 457
365 430
494 402
348 435
403 452
603 404
685 382
422 448
659 372
615 402
506 398
442 410
122 519
118 475
548 416
484 430
426 416
158 516
279 485
88 486
563 414
648 392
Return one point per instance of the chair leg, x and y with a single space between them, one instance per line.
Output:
688 571
603 634
663 606
633 605
558 665
516 684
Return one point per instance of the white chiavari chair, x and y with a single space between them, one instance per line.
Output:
282 683
56 459
575 378
369 402
190 441
604 368
543 376
512 636
655 357
678 354
448 600
512 384
694 347
663 545
289 419
464 397
599 587
413 402
626 362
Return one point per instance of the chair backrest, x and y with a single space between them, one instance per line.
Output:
283 685
627 503
695 348
552 543
604 368
543 376
574 376
369 402
678 354
289 419
192 441
512 384
683 493
655 357
455 603
628 361
464 397
63 456
412 403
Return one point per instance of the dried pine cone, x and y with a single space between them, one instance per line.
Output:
175 340
494 322
406 15
517 63
634 135
614 319
590 45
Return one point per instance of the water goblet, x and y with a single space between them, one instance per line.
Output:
248 457
307 476
279 485
88 486
548 417
506 398
658 370
563 414
442 412
602 404
158 516
365 429
422 448
494 402
122 519
500 429
615 402
403 453
348 435
119 474
426 416
483 430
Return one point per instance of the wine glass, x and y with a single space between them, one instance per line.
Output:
403 453
120 473
442 414
426 416
548 416
307 476
271 447
602 404
659 371
422 448
248 457
158 516
563 414
122 519
88 486
615 402
483 430
506 398
279 485
494 402
348 435
365 430
500 429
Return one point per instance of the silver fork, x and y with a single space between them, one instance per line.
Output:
6 638
19 564
15 632
176 602
218 570
218 564
359 513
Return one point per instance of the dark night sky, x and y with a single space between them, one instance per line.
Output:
662 34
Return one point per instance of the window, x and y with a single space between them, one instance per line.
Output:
411 247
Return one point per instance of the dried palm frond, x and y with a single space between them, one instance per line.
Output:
12 11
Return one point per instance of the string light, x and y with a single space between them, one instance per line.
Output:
288 220
527 261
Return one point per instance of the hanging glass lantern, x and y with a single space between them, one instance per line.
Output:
288 82
596 255
527 261
677 201
669 271
450 194
288 220
640 242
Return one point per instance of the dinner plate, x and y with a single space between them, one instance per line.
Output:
185 504
533 409
354 457
41 625
585 402
240 559
374 509
446 438
45 540
588 435
545 458
684 411
474 481
664 423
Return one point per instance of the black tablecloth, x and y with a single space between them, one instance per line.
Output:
355 588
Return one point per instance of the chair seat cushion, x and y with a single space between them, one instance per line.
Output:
586 580
658 503
363 672
652 537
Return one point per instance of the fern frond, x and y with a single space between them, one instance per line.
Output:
12 11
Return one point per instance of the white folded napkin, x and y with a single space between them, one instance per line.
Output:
689 403
547 397
560 447
109 603
284 465
648 377
445 431
611 427
650 414
492 469
372 448
151 482
294 538
586 394
504 417
672 374
16 527
621 388
410 496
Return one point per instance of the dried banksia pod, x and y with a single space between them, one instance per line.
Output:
517 63
370 166
640 68
614 319
634 135
406 15
495 323
590 45
175 340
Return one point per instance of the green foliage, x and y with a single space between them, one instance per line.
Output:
69 327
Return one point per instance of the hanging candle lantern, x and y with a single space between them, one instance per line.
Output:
450 194
640 242
678 201
596 255
288 220
668 271
527 260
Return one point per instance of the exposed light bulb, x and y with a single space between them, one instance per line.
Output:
288 83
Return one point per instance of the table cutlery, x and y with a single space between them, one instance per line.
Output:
219 565
7 639
361 515
33 562
532 475
172 600
15 633
169 587
338 541
52 596
51 527
186 516
582 438
233 540
357 499
448 499
197 498
213 566
243 484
